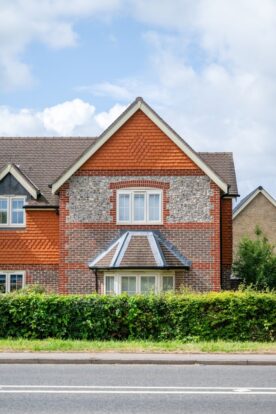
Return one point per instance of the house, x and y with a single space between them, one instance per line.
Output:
258 208
134 210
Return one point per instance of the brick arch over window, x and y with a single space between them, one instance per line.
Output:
145 184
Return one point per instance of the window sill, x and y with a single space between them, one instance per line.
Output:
139 223
13 227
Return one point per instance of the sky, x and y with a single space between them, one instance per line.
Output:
208 67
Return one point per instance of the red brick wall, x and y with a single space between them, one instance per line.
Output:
226 241
227 231
44 275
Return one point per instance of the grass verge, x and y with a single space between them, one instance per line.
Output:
58 345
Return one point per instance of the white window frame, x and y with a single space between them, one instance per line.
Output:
147 192
138 274
8 274
9 223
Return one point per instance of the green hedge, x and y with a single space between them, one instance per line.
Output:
245 316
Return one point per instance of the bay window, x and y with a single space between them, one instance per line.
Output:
12 213
138 282
139 206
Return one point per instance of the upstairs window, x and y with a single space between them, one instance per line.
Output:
12 213
139 206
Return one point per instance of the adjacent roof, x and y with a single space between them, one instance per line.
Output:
42 160
139 104
223 164
140 250
250 197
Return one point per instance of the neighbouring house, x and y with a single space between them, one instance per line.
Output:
258 208
133 210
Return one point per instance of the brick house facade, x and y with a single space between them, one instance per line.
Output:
133 210
258 208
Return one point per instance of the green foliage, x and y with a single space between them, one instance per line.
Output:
29 289
255 263
243 316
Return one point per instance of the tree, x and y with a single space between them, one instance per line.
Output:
255 262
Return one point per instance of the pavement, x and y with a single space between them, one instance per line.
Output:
136 358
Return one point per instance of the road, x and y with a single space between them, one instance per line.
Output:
144 389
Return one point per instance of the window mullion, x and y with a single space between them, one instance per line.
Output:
146 206
10 211
8 282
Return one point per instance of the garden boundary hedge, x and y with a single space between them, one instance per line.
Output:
235 316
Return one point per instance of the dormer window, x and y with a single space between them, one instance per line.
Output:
138 206
12 213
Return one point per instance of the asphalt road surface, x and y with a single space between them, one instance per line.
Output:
127 389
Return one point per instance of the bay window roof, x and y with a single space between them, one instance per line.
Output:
140 250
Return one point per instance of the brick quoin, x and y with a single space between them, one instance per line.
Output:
226 241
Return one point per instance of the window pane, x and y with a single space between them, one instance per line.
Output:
139 207
2 283
147 284
17 217
17 211
16 282
109 285
124 205
167 283
3 211
154 207
129 284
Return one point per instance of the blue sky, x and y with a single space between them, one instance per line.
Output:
69 67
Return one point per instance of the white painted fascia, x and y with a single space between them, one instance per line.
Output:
20 178
155 250
139 104
124 246
258 191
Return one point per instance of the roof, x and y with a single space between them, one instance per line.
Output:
140 104
42 160
250 197
223 164
140 250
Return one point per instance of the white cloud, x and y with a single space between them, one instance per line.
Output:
74 117
104 119
65 117
210 73
46 21
213 78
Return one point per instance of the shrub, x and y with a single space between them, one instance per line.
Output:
255 263
229 315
